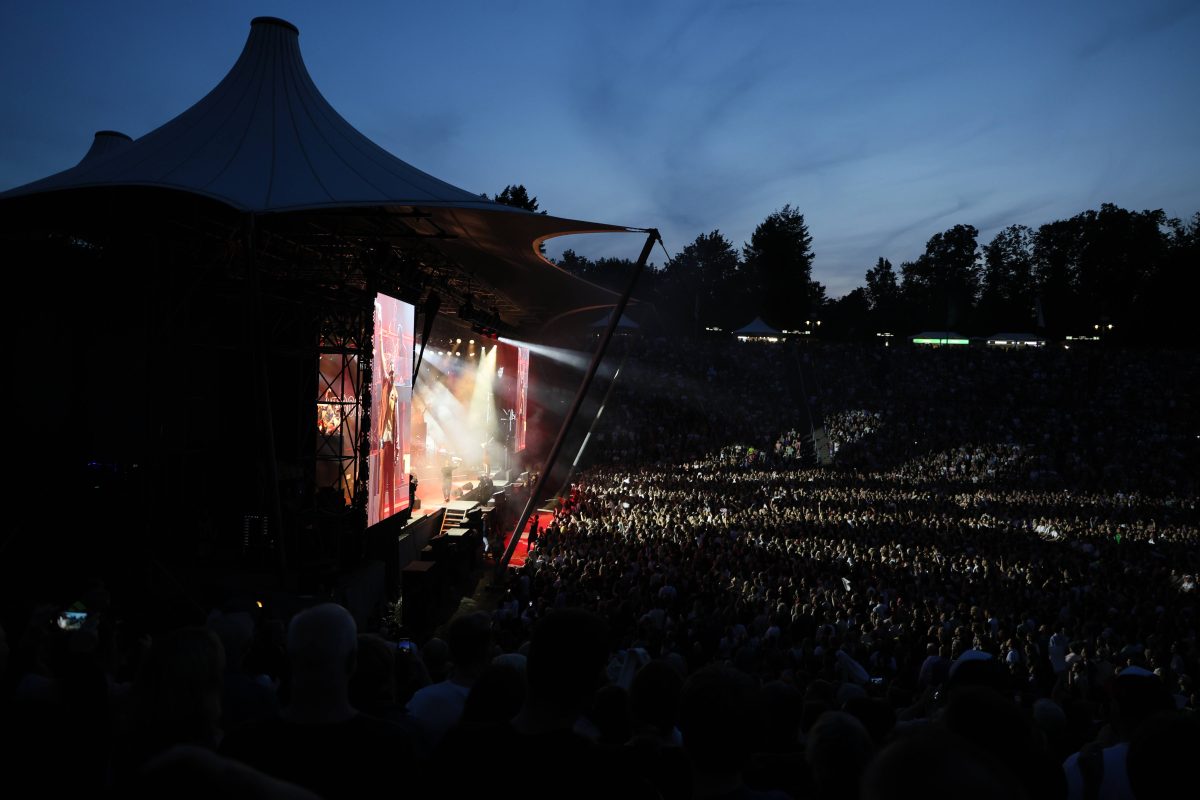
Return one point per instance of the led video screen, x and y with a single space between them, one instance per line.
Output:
391 408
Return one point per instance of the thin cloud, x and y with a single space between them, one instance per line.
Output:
1138 23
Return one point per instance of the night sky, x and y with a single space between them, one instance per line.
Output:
882 122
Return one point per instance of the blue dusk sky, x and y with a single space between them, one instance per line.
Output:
882 122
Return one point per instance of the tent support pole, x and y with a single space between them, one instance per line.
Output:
595 421
535 493
263 385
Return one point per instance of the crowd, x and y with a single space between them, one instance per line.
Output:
1090 419
670 403
955 607
847 427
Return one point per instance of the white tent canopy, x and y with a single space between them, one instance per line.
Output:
940 338
624 323
1017 337
266 141
757 328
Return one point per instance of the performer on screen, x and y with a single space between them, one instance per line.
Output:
388 435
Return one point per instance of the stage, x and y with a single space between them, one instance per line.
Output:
430 493
430 498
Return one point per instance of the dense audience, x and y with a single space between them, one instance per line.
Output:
672 402
1091 419
990 592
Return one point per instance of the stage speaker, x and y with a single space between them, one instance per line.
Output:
406 549
419 586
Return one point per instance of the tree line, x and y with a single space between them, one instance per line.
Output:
1131 270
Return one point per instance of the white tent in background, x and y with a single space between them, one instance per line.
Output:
624 324
1016 340
940 338
758 330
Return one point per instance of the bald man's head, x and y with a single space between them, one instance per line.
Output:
322 642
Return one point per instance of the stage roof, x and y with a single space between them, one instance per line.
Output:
266 141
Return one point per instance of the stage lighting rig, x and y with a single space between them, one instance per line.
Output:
488 325
485 332
485 323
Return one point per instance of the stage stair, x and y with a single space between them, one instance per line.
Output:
456 514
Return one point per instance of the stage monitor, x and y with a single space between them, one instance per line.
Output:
391 404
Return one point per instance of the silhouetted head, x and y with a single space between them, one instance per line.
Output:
373 683
470 641
322 642
837 749
875 715
933 764
654 696
497 695
975 668
611 715
435 654
783 708
236 632
566 658
719 718
178 687
186 772
1138 694
1162 755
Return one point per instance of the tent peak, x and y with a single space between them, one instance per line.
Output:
276 21
105 143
